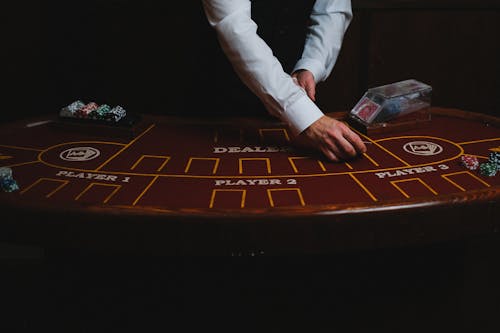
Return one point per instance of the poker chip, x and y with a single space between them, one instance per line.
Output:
5 173
117 113
85 111
7 183
102 111
495 159
488 169
70 110
470 162
93 111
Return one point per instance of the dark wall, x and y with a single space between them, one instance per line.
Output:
140 54
451 45
152 57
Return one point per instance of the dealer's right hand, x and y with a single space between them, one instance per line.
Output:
333 138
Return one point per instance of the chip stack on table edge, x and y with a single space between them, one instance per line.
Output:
7 182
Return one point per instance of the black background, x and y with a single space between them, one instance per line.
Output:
156 57
150 56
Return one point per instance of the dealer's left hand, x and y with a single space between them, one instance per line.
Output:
305 79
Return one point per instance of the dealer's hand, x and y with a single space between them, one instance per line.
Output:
305 79
333 138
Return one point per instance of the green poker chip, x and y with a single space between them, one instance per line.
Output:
488 169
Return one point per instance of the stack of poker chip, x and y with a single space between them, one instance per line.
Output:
100 112
70 110
470 162
93 111
7 182
488 169
495 158
491 167
86 110
117 113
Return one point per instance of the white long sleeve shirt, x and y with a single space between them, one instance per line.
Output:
261 71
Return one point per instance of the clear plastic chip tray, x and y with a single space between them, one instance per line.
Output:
381 104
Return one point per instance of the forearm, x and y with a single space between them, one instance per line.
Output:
330 20
256 66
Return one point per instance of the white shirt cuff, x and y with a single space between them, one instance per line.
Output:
301 114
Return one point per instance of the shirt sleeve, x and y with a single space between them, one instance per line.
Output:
257 67
329 22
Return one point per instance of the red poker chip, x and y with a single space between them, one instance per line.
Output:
470 162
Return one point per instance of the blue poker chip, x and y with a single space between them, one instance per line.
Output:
495 159
5 172
9 185
70 110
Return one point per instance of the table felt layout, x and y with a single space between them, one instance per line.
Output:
241 165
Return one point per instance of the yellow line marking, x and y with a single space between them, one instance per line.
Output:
145 190
478 156
82 143
124 148
480 180
284 131
117 188
73 143
21 164
265 159
391 138
371 159
292 159
215 159
455 184
446 176
64 183
363 187
420 137
166 158
381 147
395 184
248 177
348 166
214 193
270 195
40 159
20 148
292 163
478 141
5 157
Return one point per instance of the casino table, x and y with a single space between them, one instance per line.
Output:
239 186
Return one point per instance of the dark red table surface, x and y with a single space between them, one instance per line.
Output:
241 181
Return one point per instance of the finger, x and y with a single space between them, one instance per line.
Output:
336 148
347 149
343 149
356 141
353 139
329 154
299 83
311 91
